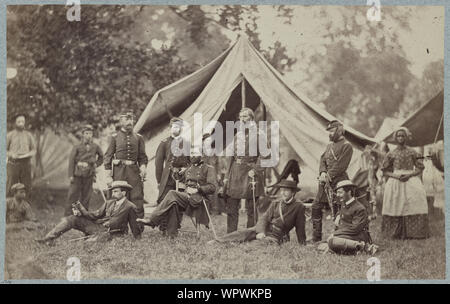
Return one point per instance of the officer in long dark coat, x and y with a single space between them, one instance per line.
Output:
244 179
125 160
333 168
167 165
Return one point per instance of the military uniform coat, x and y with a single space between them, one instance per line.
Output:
335 161
238 186
131 147
191 204
353 222
164 161
277 226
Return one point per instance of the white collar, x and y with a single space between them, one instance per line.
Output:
120 202
349 201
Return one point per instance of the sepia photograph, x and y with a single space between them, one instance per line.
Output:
224 142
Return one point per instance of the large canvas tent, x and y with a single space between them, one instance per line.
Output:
216 91
426 124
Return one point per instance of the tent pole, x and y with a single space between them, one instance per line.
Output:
243 92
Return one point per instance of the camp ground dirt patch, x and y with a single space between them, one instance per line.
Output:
156 257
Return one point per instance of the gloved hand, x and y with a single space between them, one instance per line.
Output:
143 172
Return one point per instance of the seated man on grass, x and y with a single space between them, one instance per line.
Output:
113 217
280 218
19 214
352 223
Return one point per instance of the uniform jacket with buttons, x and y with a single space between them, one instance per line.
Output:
164 160
353 222
335 160
90 153
126 146
293 216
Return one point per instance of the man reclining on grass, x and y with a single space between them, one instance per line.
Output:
276 223
352 223
19 214
114 216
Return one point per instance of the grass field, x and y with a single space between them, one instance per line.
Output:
156 257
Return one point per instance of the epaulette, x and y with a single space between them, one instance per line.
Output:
139 135
208 165
114 134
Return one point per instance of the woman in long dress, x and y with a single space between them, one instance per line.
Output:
405 209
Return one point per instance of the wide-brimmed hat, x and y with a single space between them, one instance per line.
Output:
120 184
345 183
284 183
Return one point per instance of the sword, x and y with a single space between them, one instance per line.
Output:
209 217
88 236
329 193
251 173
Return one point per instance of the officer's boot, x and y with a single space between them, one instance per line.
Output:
63 226
163 226
345 246
316 217
173 221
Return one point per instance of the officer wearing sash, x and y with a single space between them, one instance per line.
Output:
281 217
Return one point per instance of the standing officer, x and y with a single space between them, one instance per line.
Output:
20 147
125 160
241 172
84 159
167 166
333 166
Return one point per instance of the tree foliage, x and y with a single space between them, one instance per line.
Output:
71 73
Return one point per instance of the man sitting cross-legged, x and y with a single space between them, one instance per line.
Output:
276 223
114 216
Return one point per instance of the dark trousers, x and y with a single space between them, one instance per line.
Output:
173 221
80 223
18 171
166 190
320 203
131 174
79 190
232 208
